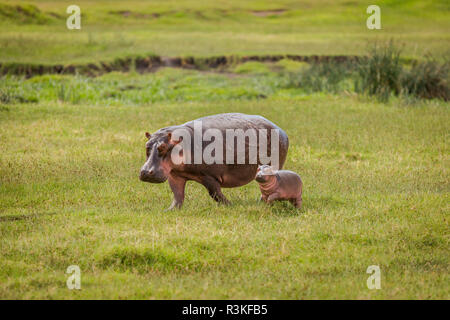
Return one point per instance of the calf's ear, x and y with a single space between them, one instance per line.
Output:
148 135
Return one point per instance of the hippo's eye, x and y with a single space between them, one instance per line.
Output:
162 149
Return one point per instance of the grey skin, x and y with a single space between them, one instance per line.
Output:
159 166
279 185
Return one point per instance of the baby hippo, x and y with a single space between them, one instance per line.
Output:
279 185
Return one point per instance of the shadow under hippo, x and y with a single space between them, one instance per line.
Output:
222 150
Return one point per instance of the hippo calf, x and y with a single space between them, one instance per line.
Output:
249 134
279 185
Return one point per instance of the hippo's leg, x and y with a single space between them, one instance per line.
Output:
177 184
263 198
297 202
214 190
272 198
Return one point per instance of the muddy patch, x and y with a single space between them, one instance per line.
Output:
267 13
31 216
127 13
153 63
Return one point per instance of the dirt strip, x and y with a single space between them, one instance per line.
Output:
153 63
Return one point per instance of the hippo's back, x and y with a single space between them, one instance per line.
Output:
224 121
243 121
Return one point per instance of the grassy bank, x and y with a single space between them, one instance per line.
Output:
382 74
37 33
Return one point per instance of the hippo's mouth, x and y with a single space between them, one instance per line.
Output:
151 178
260 178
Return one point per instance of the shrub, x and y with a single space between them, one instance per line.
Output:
427 80
380 72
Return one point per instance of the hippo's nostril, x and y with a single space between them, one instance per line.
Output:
150 172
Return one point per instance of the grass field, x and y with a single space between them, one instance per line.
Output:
112 29
376 193
376 179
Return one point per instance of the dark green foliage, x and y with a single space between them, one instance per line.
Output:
380 72
427 80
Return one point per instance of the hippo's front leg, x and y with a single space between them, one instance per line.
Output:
177 184
272 198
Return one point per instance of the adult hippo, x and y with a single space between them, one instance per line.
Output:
241 153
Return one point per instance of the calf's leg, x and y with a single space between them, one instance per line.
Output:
297 202
272 198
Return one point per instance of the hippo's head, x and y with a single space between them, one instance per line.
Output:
158 165
264 173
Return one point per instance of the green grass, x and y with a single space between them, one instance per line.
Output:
202 28
252 67
376 180
376 192
118 88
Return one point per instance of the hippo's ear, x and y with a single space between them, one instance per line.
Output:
169 136
148 135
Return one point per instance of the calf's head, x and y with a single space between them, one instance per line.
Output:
157 167
264 173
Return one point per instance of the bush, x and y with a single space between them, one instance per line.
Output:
427 80
379 73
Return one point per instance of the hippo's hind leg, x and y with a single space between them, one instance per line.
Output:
213 187
177 184
297 202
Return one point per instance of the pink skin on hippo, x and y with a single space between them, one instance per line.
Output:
279 185
160 167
